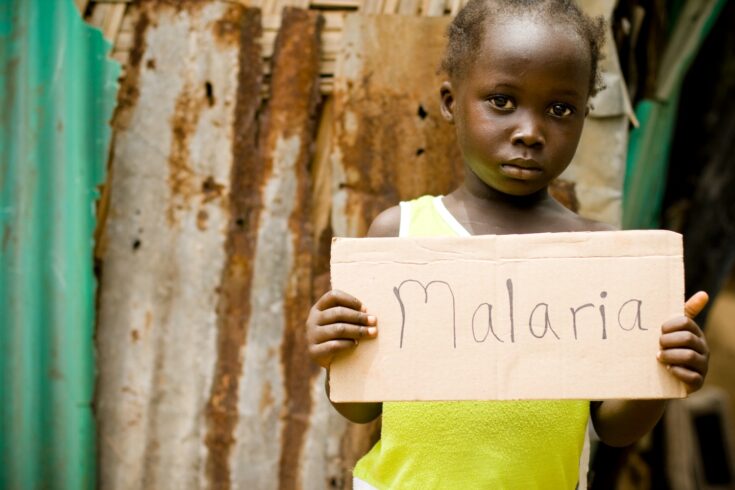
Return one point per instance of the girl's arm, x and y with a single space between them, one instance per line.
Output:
685 353
338 321
336 324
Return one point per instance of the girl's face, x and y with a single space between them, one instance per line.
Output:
521 104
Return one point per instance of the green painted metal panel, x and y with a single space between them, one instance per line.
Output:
57 91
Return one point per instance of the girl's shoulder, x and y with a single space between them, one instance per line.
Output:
386 224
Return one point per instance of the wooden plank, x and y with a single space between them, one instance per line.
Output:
432 8
121 57
409 7
97 14
81 6
390 6
124 41
268 7
333 21
335 4
113 21
372 6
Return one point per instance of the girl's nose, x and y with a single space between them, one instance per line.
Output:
528 133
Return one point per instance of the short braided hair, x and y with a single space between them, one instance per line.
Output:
466 32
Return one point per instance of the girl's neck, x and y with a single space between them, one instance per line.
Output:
483 210
478 194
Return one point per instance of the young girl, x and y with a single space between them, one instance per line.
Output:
520 75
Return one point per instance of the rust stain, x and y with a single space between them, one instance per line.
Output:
202 217
134 335
292 110
233 308
212 189
226 29
187 109
395 153
151 64
102 212
266 400
128 94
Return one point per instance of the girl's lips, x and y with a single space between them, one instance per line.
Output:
520 172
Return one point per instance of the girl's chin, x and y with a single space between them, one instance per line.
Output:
514 187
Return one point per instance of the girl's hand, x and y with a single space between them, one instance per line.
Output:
336 323
683 346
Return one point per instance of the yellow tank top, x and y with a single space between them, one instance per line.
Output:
472 445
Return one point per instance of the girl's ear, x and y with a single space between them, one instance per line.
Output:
447 101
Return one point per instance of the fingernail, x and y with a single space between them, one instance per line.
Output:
363 308
372 331
371 319
658 355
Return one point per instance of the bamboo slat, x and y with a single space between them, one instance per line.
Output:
409 7
433 8
117 25
81 5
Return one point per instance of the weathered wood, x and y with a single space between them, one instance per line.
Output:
432 8
409 7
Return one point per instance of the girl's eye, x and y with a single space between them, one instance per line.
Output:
502 102
561 110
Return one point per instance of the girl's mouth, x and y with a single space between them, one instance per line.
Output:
520 172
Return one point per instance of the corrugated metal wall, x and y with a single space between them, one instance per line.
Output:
56 95
221 211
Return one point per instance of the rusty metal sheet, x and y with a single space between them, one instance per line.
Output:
275 387
391 142
207 263
184 184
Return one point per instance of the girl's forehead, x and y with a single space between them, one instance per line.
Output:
538 56
533 37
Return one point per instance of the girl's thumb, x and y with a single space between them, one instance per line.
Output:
696 304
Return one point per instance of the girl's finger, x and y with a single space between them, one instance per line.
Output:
342 314
683 338
686 358
332 331
692 379
680 324
336 297
327 350
696 304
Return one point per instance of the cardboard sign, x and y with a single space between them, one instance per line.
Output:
544 316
